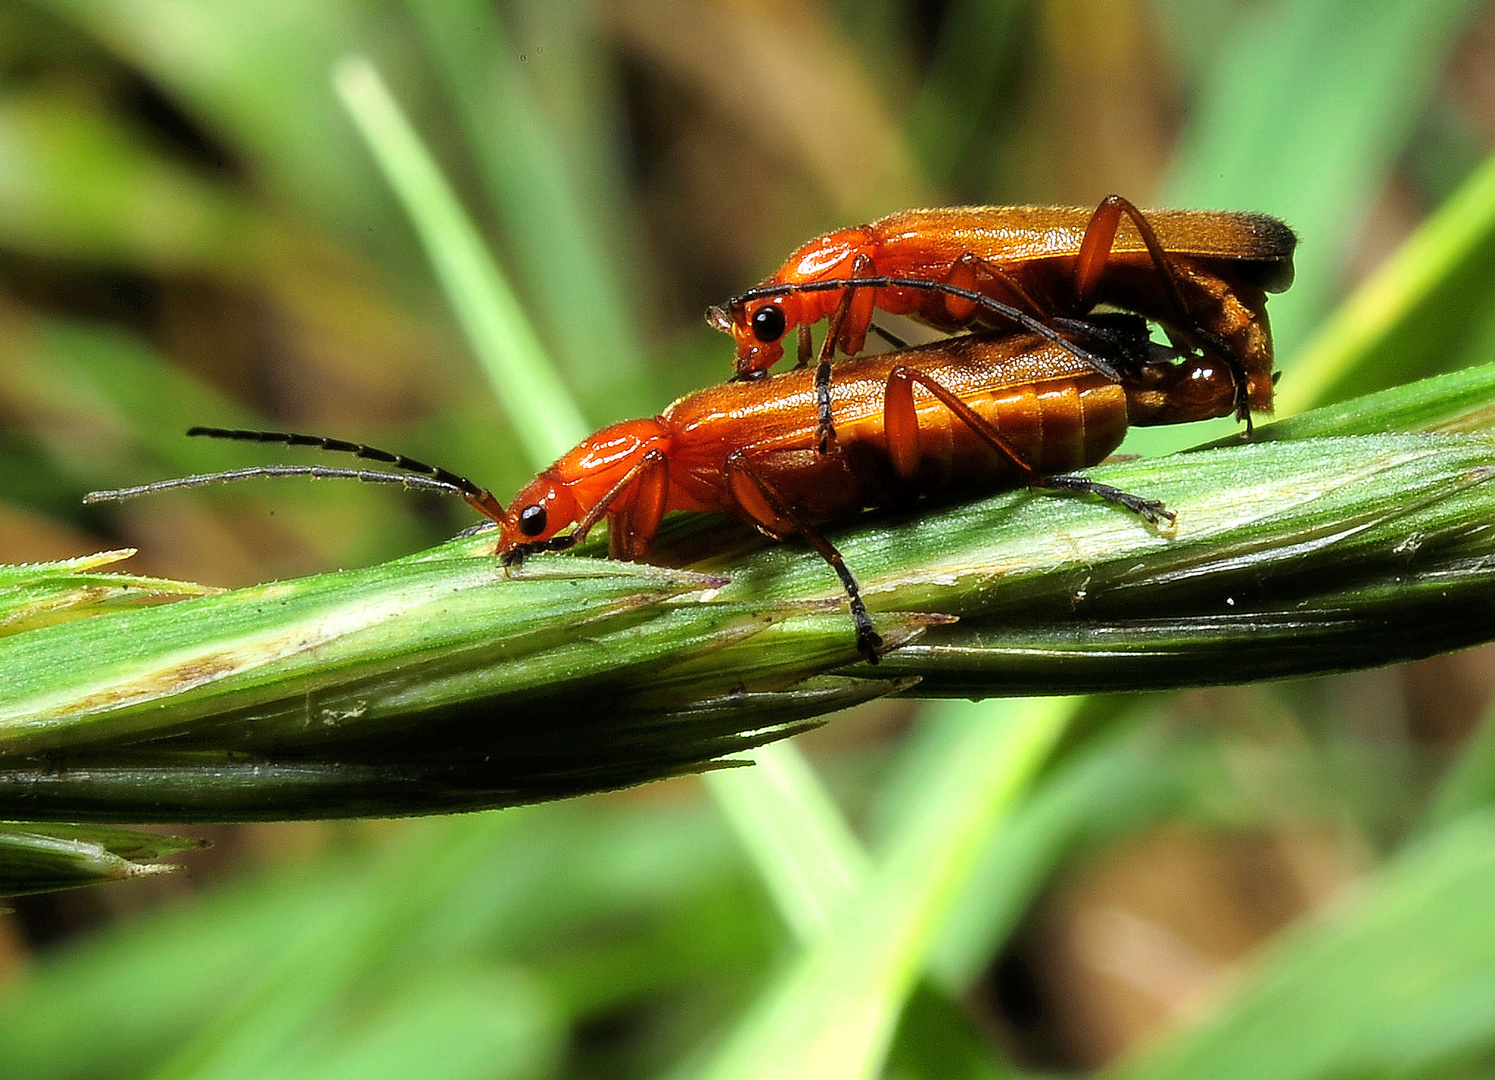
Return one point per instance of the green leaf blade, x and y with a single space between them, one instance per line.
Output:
1340 995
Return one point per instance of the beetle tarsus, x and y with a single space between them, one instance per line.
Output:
1151 511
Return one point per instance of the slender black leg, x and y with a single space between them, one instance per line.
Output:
741 470
899 417
1149 510
825 427
892 339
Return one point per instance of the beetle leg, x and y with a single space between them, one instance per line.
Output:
851 331
901 424
900 421
852 312
651 470
631 532
1124 338
802 332
1149 510
767 508
1095 253
825 430
892 339
1242 393
1090 265
967 272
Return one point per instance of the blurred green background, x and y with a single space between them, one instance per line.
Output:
192 232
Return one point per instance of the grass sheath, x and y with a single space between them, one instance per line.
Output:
440 682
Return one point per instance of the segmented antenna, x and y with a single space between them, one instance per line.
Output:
428 478
996 307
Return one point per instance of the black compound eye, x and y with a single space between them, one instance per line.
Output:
769 323
532 520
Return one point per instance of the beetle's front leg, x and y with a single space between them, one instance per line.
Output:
848 325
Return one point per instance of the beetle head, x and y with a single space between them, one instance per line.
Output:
537 513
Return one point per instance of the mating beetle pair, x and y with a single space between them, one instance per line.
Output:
1041 388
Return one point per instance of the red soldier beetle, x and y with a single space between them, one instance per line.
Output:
1201 275
975 413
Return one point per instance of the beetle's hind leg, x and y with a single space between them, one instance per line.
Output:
901 423
1095 255
1151 511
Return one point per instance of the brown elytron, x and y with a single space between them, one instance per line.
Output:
1201 275
975 413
